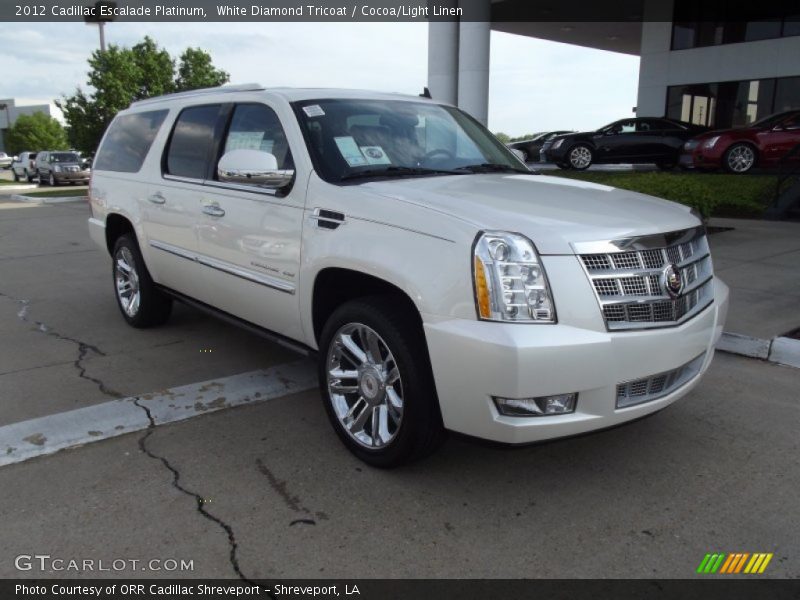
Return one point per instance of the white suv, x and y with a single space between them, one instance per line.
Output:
443 284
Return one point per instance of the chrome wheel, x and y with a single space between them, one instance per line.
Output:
364 386
52 180
580 157
741 158
127 280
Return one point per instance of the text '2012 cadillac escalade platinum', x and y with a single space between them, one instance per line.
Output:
444 286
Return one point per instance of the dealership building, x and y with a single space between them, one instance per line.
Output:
713 65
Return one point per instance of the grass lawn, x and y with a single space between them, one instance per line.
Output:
56 192
12 182
713 194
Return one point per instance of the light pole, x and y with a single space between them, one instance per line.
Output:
4 106
100 19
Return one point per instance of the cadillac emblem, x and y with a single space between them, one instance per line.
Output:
673 282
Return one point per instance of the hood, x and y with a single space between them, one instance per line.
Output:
553 212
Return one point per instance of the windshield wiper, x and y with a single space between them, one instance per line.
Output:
396 171
491 168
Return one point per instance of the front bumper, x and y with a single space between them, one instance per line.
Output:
699 160
475 360
72 177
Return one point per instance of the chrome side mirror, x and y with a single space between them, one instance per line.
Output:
253 167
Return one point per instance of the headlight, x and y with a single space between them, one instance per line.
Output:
510 282
691 145
709 143
57 169
557 144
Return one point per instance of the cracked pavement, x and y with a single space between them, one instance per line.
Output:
267 491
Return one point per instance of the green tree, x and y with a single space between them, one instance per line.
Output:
122 75
196 71
37 131
503 137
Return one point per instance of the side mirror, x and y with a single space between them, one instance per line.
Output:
253 167
519 154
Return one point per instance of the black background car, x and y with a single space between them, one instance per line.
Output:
639 140
530 148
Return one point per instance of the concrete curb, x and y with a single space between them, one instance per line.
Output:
48 199
780 350
21 186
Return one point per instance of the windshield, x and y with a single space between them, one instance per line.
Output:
61 157
358 139
771 120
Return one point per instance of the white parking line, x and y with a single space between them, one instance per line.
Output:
47 435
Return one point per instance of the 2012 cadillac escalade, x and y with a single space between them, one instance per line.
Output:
443 284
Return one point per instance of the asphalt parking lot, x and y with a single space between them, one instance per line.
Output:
265 489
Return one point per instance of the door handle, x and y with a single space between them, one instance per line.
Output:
214 210
157 198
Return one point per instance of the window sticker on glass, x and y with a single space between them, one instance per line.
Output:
315 110
248 140
350 152
375 155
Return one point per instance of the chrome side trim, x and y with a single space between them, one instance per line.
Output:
176 250
225 267
644 242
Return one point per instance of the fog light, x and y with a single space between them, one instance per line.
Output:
559 404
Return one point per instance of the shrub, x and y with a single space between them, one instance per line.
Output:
714 195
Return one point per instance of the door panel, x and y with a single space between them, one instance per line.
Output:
169 213
249 237
171 205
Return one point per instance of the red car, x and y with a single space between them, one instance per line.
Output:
761 144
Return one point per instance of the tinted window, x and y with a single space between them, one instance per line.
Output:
192 141
257 127
128 141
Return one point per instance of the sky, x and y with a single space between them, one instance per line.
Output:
535 85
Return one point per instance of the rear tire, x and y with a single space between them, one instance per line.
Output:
16 176
28 176
384 408
665 166
141 303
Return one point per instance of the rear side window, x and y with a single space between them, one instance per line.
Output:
192 142
128 141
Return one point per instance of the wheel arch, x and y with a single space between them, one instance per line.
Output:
117 225
333 286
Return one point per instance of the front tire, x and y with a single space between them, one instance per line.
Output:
739 158
140 302
28 176
16 176
51 181
376 382
580 157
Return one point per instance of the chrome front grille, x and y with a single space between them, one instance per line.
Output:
629 278
639 391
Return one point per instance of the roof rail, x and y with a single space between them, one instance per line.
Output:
243 87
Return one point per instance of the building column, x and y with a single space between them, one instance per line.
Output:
473 66
443 60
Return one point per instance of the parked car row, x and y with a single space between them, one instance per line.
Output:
52 167
669 143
